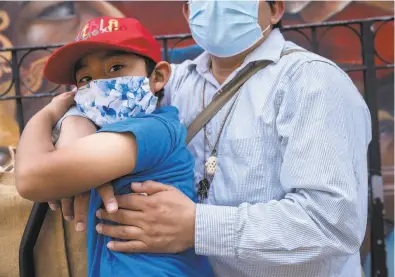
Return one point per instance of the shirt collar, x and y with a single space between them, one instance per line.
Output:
270 49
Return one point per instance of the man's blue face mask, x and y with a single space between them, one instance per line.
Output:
225 28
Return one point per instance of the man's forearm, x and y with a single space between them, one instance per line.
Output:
278 232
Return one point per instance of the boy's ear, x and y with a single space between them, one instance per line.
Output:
160 76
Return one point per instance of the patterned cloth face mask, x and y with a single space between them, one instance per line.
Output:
106 101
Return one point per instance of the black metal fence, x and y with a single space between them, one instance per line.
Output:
365 32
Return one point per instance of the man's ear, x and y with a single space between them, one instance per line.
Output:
185 10
277 12
160 76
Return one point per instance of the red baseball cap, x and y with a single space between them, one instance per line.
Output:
103 33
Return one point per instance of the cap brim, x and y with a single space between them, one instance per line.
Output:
60 65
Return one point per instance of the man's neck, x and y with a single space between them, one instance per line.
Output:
221 68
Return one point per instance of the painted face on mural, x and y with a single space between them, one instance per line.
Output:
48 22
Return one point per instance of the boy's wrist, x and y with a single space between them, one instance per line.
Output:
48 114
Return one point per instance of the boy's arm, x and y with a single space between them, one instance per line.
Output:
44 173
68 129
73 112
73 128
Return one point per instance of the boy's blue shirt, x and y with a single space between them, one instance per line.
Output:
163 157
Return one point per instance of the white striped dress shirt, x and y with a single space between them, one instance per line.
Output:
289 198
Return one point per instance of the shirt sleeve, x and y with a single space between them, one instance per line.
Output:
324 128
166 101
155 137
73 111
179 72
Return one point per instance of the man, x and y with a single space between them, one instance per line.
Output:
289 194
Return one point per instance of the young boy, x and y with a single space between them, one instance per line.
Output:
115 64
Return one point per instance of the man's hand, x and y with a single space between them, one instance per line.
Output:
161 222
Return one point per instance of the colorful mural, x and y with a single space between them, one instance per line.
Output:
35 23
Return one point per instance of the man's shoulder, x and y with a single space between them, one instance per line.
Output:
187 67
184 65
307 74
306 59
179 74
181 69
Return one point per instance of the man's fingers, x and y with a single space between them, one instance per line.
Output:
53 205
149 187
107 195
120 232
128 246
81 203
124 217
67 208
132 201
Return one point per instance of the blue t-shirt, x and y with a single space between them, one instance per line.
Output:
163 157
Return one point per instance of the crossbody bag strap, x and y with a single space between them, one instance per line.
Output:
227 92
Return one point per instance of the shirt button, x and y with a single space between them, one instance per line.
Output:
208 130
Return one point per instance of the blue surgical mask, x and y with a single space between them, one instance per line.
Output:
108 101
225 28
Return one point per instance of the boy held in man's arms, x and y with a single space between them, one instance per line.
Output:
116 66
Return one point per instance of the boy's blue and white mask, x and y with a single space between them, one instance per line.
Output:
107 101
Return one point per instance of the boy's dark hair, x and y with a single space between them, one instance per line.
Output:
149 68
278 24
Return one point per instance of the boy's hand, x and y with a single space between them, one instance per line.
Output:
59 105
77 208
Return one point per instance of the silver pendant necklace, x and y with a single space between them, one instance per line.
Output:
211 163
